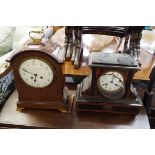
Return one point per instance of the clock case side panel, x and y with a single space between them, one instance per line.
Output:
53 92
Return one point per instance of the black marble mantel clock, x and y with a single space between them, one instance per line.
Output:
109 87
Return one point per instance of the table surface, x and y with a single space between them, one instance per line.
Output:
28 118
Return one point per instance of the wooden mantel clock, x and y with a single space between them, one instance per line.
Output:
38 76
109 87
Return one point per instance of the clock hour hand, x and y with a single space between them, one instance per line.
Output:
117 85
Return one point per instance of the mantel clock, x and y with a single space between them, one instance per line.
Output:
39 79
109 87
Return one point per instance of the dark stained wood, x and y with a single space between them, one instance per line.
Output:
68 43
28 118
129 78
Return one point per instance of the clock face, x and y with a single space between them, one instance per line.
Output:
111 84
36 72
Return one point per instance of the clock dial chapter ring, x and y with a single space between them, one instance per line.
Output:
111 85
36 72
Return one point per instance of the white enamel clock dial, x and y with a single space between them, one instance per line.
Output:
35 72
111 84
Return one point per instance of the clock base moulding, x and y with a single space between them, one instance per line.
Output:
130 106
60 106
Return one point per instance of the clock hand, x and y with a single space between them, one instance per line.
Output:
114 76
35 78
35 75
114 82
29 72
117 84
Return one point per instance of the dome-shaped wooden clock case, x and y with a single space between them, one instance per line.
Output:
38 88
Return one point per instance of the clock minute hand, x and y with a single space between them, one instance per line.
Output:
29 72
116 83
